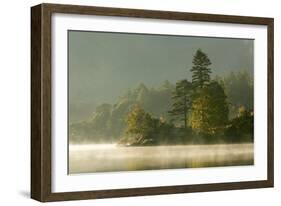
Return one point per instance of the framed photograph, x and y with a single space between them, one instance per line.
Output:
130 102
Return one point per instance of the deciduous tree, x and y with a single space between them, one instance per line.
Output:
139 122
209 111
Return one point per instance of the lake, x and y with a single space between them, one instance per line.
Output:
89 158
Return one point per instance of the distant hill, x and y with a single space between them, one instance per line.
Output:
107 123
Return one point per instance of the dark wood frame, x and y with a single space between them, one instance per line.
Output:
41 101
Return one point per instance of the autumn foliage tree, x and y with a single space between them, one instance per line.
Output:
139 123
209 110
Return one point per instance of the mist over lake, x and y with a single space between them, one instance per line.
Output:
110 157
149 102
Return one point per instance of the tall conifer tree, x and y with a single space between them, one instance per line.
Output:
200 69
181 100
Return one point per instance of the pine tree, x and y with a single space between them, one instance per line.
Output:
182 100
200 69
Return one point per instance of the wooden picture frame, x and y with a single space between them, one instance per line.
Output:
41 97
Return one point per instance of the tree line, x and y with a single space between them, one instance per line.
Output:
203 110
200 108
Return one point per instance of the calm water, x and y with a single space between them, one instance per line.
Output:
110 157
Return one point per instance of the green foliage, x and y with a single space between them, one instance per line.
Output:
239 89
241 128
184 113
200 69
139 122
143 129
181 101
209 111
108 121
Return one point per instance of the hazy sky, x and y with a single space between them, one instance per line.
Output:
102 66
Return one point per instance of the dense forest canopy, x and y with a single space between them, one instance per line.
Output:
197 110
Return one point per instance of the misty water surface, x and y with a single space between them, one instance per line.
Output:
110 157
